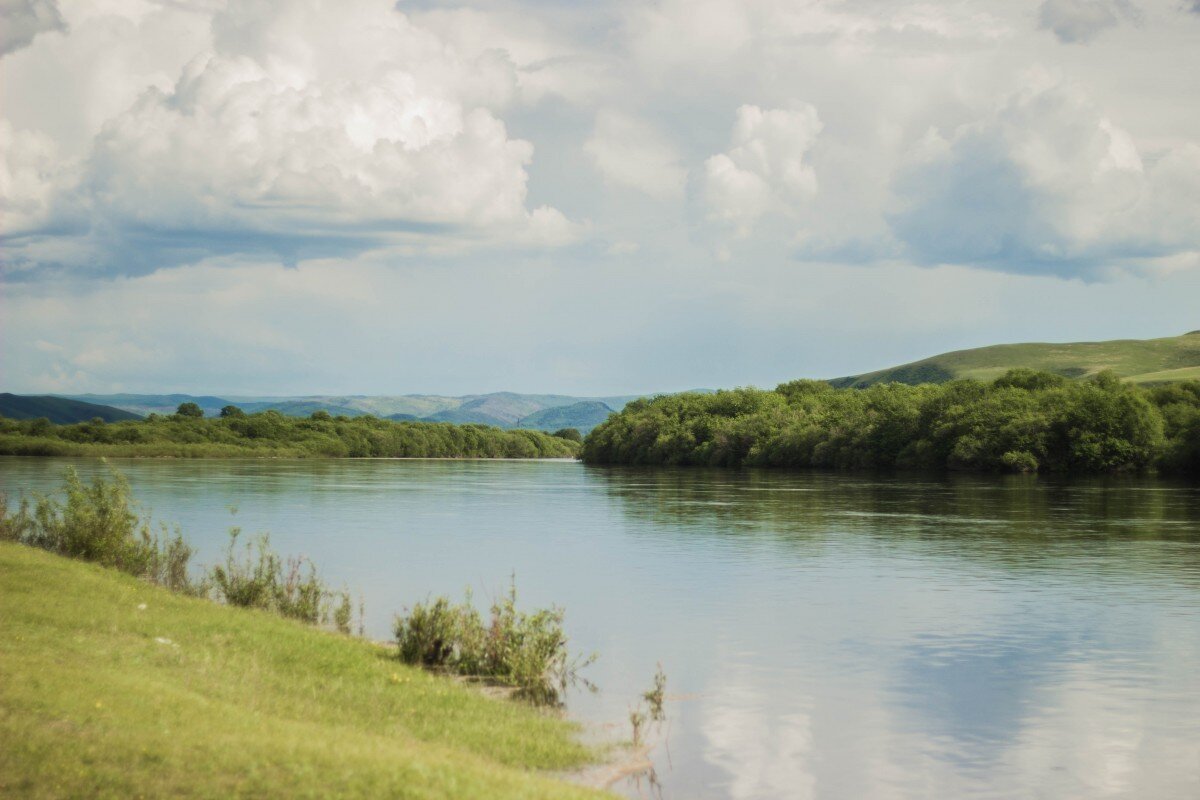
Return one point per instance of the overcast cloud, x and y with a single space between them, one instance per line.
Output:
305 196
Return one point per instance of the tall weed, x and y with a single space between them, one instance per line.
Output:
257 577
101 523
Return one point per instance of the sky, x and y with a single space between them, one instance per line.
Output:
366 197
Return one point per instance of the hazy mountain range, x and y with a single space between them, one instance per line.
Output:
502 409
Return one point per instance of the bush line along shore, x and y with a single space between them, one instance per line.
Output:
1024 421
269 434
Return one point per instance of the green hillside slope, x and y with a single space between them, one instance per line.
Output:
58 410
115 688
1173 358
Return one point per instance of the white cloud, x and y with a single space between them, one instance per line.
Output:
309 129
765 170
628 152
28 169
22 20
1045 184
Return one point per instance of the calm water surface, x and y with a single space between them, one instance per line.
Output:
824 636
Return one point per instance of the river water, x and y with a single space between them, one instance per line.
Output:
824 636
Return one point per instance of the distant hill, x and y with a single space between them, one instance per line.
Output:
58 410
1174 358
501 409
583 416
300 408
146 404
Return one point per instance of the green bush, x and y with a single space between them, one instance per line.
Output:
269 433
100 523
430 633
527 651
259 578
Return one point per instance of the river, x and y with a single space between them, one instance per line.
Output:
823 635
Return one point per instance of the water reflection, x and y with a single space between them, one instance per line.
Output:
824 636
1020 521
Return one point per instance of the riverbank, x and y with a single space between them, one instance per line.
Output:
271 435
115 687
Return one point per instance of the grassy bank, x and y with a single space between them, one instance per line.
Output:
270 434
184 697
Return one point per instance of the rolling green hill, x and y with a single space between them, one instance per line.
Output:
58 410
1174 358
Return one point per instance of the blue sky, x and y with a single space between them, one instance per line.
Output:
301 197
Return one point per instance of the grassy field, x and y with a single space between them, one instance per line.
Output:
112 687
1172 358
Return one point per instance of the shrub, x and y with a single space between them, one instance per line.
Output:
100 523
260 578
429 634
527 651
570 434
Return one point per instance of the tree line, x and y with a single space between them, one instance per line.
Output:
1024 421
188 433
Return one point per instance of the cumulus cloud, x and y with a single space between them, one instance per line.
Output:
308 129
1080 21
765 170
1045 184
22 20
27 169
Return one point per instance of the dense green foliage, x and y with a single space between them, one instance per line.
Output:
270 433
1024 421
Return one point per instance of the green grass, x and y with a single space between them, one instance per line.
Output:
1172 358
238 703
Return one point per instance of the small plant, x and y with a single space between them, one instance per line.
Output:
14 527
343 614
650 708
637 718
247 582
260 578
657 695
